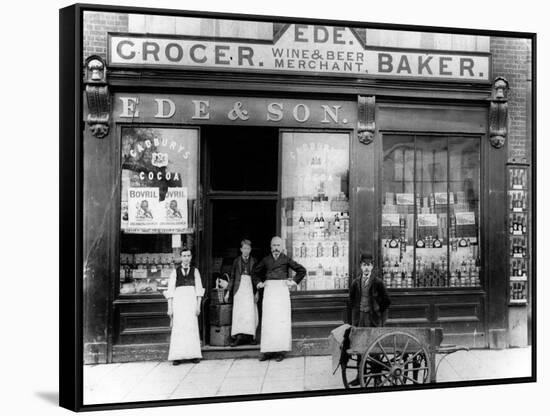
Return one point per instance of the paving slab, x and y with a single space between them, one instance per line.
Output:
93 374
134 382
280 386
119 383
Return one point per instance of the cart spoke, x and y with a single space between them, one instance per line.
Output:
384 351
374 360
405 347
388 380
377 374
410 359
411 379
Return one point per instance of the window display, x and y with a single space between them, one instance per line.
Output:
519 228
430 212
158 202
315 207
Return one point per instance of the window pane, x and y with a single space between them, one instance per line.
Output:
431 211
430 225
397 232
158 202
315 207
464 225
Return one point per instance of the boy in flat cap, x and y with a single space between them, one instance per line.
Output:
369 302
368 295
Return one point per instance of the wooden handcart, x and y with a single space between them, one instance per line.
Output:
377 357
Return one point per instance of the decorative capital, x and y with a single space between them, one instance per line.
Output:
97 96
498 113
365 124
500 89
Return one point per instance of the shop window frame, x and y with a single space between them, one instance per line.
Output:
448 135
323 293
117 166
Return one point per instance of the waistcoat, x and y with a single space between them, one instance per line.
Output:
182 280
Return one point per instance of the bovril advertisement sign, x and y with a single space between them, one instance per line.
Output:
298 49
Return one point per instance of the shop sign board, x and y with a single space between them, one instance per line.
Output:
202 109
299 48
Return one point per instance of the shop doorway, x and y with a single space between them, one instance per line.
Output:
241 199
234 220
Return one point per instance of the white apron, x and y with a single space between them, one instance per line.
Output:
245 311
276 319
185 341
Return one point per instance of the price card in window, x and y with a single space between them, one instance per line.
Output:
441 198
465 218
390 220
404 199
427 220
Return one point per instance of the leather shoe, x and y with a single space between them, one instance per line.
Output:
263 357
280 357
196 360
176 362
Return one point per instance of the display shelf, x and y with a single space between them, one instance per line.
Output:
518 226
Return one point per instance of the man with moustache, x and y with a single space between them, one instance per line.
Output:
272 274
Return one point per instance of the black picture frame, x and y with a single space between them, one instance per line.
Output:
72 171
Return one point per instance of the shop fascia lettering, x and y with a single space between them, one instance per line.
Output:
201 109
300 48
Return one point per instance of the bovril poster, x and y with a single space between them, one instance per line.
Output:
148 214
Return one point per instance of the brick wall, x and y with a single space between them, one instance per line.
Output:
96 26
512 60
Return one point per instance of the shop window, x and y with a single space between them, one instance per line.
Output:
430 211
315 208
157 205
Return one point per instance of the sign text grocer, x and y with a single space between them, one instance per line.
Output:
301 49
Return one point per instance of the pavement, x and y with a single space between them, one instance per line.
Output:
160 380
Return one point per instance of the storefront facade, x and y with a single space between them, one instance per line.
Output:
330 137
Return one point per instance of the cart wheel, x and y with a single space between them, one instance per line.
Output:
395 359
350 371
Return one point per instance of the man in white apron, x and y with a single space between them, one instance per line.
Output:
184 297
241 290
272 274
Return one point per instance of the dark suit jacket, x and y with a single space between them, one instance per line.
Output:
270 269
378 296
235 277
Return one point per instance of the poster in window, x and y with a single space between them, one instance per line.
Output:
174 209
158 180
143 207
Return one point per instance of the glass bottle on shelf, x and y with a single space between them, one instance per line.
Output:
335 249
301 221
316 222
320 271
303 250
319 249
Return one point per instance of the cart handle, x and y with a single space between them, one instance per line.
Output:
446 350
